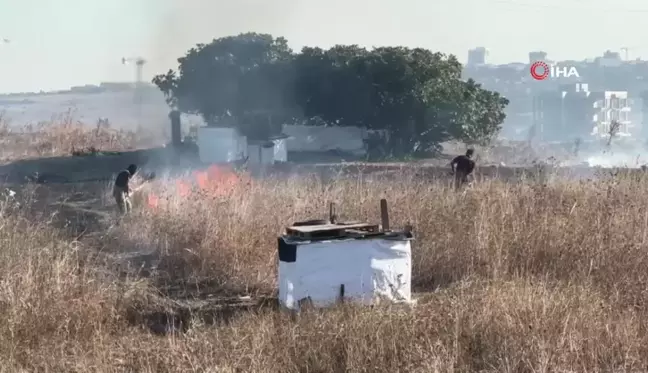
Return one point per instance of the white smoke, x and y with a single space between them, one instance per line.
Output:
617 159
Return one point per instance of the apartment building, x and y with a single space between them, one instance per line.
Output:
574 112
477 56
610 107
564 114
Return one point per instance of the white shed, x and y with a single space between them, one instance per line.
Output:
220 145
359 267
281 149
260 152
305 138
270 151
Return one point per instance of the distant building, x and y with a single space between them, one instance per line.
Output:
612 106
117 86
477 56
574 112
644 111
537 56
564 114
609 59
88 88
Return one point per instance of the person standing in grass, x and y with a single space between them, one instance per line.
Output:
462 167
122 189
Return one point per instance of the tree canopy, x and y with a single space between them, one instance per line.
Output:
413 99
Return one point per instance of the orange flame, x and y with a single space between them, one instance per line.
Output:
215 181
153 201
184 189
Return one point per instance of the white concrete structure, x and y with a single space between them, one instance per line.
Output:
220 145
260 153
280 150
321 139
366 270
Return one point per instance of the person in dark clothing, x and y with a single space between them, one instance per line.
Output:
122 190
462 167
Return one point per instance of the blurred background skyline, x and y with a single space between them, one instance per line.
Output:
61 43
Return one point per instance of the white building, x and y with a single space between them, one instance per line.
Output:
221 145
226 145
612 106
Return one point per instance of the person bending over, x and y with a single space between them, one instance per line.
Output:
462 167
122 189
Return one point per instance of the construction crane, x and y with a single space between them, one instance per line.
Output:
635 47
139 67
625 50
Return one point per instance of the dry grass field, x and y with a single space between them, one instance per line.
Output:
64 135
512 278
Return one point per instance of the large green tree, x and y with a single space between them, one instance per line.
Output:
232 77
413 99
332 85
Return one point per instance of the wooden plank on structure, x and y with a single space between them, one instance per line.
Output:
328 227
326 231
363 234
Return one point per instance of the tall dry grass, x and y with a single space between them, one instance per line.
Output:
512 278
568 231
66 135
515 277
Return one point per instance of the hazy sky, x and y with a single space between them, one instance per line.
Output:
59 43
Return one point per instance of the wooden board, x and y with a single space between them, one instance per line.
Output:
330 230
327 227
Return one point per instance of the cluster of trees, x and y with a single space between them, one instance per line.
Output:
414 98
